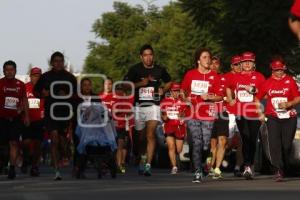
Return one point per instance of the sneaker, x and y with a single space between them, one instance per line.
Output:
174 170
24 168
217 174
278 176
147 171
211 172
121 170
248 173
198 177
237 173
11 173
34 172
57 176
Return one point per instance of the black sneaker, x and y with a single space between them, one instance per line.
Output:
198 177
237 173
11 173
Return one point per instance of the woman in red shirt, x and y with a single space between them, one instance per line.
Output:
241 91
282 95
202 88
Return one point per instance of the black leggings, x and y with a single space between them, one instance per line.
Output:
281 133
249 130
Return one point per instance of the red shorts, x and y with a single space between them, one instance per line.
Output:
178 133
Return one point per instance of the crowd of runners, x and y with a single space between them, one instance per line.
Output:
199 110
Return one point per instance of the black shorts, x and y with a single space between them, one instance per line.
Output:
221 126
10 130
54 125
122 134
35 131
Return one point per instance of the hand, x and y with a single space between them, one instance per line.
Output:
150 78
262 118
204 97
232 102
284 105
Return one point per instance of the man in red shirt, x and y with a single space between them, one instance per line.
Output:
201 88
294 20
13 103
282 96
33 135
107 97
173 111
241 91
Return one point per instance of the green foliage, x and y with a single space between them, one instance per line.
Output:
171 31
239 25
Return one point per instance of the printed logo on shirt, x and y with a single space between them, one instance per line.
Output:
276 92
287 82
253 77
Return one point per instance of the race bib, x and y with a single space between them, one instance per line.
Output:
281 113
276 101
11 103
172 114
199 87
34 103
146 93
244 96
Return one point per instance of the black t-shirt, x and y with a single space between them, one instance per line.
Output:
149 93
59 89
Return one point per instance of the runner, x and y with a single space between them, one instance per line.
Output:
220 131
57 86
123 115
13 105
241 91
234 138
107 97
200 87
173 113
33 135
282 96
147 77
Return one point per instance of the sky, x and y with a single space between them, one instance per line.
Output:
31 30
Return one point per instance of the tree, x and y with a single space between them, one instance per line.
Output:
171 31
259 26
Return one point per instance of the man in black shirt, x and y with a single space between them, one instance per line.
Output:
57 86
147 77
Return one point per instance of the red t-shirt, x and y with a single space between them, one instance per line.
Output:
122 112
277 91
295 10
36 105
228 77
173 108
197 84
12 93
108 100
245 105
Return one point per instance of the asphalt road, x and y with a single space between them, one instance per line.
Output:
160 186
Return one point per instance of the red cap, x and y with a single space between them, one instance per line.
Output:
295 9
277 64
175 86
35 70
248 56
236 59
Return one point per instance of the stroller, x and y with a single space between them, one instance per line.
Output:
97 140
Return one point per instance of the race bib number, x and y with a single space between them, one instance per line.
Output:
281 113
172 114
276 101
34 103
199 87
11 103
146 93
244 96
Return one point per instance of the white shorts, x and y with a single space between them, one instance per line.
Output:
144 114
